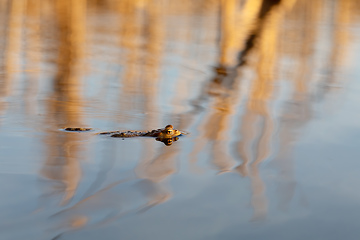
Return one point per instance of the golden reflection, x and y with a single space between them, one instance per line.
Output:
65 104
257 128
214 131
151 168
297 111
228 21
151 171
223 88
33 55
341 38
260 40
71 23
13 40
130 37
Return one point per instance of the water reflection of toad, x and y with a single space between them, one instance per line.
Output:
167 135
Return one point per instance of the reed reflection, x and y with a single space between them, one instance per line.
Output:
154 166
65 104
297 111
259 38
130 37
257 126
257 123
223 88
147 189
340 40
33 56
10 56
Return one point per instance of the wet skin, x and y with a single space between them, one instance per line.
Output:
166 135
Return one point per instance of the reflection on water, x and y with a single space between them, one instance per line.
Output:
243 77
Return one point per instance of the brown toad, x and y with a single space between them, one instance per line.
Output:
166 135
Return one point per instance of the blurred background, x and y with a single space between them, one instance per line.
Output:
268 91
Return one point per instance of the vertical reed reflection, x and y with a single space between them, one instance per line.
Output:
65 104
140 85
33 55
298 109
223 88
261 42
154 167
13 36
152 170
342 17
130 32
256 145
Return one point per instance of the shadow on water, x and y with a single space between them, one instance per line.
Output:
78 69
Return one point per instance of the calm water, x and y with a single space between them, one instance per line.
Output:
267 90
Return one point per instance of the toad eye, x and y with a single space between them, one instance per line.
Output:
169 131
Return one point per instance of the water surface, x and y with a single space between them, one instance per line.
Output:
267 90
